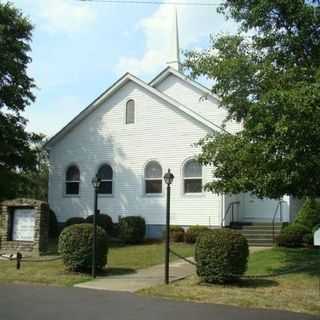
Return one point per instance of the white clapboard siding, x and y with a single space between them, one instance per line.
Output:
160 133
196 99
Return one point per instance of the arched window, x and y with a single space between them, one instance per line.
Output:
192 177
153 178
130 112
72 180
105 173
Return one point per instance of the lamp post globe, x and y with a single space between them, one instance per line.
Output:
96 181
168 177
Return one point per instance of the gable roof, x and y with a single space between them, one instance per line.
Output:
115 87
168 71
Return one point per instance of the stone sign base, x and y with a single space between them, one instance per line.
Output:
24 226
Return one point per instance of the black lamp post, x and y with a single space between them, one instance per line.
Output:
96 181
168 179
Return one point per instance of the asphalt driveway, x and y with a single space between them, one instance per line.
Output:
52 303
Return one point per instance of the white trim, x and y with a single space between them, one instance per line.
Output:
116 86
134 112
191 194
156 194
166 72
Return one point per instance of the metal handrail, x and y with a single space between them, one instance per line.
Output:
231 205
278 207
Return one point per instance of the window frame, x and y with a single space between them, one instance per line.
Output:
126 112
184 178
66 181
145 180
106 195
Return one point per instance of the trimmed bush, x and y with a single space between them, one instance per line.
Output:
315 228
221 255
116 230
104 221
53 225
307 240
75 247
192 234
132 229
74 220
309 215
176 234
292 236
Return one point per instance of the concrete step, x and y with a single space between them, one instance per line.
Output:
259 234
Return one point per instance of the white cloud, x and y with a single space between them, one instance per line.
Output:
60 15
195 25
64 15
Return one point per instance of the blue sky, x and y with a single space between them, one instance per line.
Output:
79 49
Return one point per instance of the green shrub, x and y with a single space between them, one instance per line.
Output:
176 233
53 225
75 247
115 230
292 236
132 229
74 220
309 214
307 240
194 232
315 228
221 255
104 221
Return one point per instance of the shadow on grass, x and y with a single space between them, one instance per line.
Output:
245 283
115 272
300 260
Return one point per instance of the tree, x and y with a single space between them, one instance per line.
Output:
268 78
16 152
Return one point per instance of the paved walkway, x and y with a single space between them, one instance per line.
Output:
21 302
145 278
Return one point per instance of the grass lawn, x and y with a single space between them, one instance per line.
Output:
121 259
297 291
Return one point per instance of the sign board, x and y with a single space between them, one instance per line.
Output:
316 238
23 225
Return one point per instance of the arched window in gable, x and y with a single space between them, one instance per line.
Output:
130 112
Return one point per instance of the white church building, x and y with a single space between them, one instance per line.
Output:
131 135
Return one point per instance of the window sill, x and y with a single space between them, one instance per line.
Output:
153 195
194 195
71 196
105 195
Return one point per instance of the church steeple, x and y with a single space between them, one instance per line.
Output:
174 61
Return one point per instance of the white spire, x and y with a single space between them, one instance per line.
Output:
174 60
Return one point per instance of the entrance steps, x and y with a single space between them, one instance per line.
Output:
258 234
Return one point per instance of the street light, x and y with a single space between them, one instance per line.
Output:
168 179
96 181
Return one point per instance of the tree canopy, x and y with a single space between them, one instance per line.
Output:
17 154
268 78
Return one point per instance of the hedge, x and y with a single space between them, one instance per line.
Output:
221 255
104 221
132 229
75 247
193 232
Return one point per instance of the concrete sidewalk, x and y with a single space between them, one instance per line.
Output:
143 278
